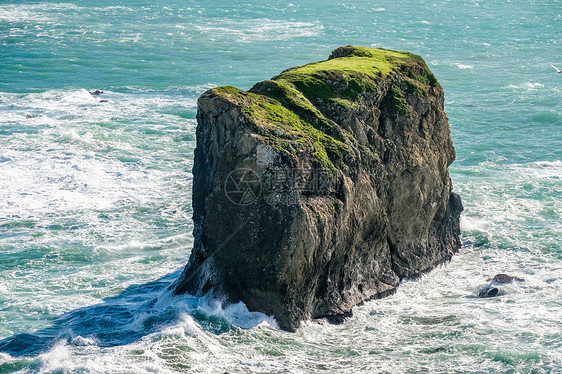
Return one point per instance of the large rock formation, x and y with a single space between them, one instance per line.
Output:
322 187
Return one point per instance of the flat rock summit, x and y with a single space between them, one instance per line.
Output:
323 187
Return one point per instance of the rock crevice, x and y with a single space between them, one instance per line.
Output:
322 187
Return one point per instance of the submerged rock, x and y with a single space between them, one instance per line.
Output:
322 187
505 279
488 291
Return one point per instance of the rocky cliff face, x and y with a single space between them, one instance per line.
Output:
322 187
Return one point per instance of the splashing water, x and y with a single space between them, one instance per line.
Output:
95 190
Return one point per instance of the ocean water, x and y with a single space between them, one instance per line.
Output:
95 196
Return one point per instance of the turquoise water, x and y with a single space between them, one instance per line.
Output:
95 197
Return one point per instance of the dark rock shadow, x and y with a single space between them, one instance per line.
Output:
118 320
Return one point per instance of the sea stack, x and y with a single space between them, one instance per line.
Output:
323 187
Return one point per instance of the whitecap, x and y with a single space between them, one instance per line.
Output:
236 314
115 8
526 85
261 29
469 223
138 323
32 13
239 315
464 67
56 359
80 159
85 341
14 14
539 169
70 135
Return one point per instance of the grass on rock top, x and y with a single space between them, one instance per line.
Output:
283 129
283 111
379 61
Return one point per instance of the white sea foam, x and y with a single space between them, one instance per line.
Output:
70 251
65 172
519 196
464 67
184 342
14 14
85 341
261 29
32 12
115 8
539 169
71 176
236 314
56 359
527 85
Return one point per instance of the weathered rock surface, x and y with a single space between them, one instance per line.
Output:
323 187
488 291
505 279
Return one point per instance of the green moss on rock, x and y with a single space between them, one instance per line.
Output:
283 129
349 72
431 78
399 104
415 88
285 110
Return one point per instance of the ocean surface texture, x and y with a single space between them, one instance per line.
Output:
95 191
